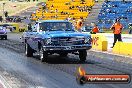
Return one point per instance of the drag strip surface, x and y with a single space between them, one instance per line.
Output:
23 72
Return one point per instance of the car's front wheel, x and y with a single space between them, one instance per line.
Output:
43 55
2 37
6 37
82 55
28 50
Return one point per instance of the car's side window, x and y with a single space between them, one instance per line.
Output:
34 27
38 27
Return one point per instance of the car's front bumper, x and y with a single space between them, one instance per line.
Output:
67 48
3 35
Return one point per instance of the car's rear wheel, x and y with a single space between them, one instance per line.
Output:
28 50
43 55
82 55
63 54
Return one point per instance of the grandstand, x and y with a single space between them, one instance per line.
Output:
63 9
112 10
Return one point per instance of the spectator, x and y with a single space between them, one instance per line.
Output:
6 14
80 9
56 16
56 10
52 6
82 1
73 7
130 28
117 28
62 13
1 19
82 19
95 28
43 6
29 27
114 5
43 17
51 11
74 21
79 24
70 7
69 18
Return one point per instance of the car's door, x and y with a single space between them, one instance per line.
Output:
31 34
34 38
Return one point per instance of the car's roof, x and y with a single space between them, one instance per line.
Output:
40 21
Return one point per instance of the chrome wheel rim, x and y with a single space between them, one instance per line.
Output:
41 54
26 49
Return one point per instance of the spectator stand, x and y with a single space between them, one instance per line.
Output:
61 10
112 10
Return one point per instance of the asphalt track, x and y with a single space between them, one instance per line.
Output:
20 71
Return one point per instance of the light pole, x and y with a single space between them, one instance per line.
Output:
3 11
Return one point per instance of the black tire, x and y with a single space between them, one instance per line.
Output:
2 38
82 55
63 54
6 37
43 55
28 50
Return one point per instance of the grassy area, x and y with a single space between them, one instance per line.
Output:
42 0
15 7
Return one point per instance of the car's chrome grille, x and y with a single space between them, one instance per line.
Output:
67 41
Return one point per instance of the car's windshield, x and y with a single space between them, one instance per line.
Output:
86 29
56 26
1 28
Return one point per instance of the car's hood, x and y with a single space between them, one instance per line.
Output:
2 31
64 34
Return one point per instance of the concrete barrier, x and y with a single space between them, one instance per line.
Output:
13 27
99 42
123 48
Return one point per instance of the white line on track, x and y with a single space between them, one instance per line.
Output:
4 83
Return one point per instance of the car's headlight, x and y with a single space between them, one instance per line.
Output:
48 41
5 33
87 40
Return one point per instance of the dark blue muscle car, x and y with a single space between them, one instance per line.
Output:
55 36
